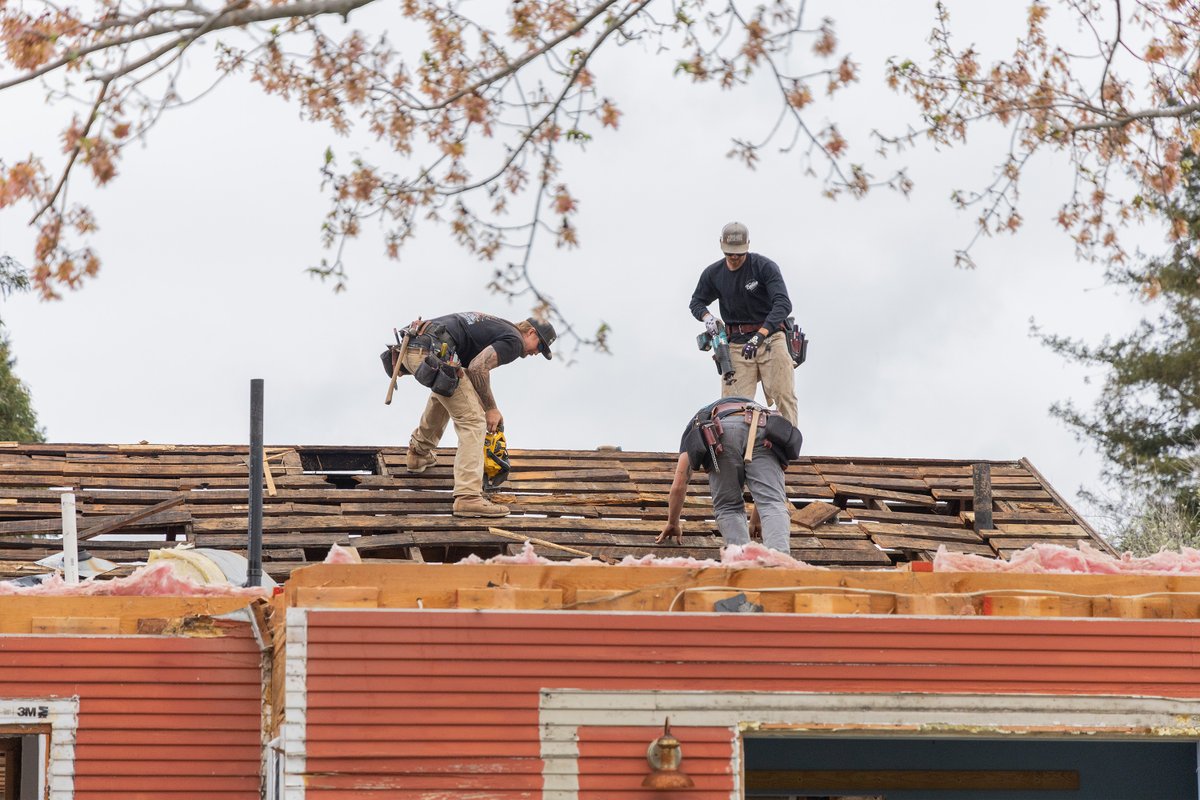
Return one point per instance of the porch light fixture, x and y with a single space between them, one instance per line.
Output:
664 757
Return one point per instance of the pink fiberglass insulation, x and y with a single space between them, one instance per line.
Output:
153 580
750 555
342 555
1053 558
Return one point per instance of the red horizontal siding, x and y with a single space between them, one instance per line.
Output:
613 759
432 705
159 717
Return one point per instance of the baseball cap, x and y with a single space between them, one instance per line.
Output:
546 335
735 238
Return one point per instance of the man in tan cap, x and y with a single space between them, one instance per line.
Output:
754 306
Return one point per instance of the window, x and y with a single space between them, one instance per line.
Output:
23 766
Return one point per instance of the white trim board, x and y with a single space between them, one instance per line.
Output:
295 692
61 714
562 712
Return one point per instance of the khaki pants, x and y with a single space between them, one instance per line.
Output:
466 411
772 366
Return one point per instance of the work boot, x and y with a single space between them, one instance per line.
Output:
478 507
416 461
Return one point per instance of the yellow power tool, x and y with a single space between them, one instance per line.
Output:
495 459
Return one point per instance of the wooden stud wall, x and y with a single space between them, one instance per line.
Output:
849 512
599 589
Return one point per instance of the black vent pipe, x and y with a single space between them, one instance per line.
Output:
254 549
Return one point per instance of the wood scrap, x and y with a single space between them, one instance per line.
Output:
814 514
110 525
520 537
267 474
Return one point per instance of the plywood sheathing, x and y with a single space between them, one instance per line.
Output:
672 590
849 512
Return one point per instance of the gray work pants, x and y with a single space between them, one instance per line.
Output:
763 476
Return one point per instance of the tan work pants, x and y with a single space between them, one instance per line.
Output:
466 411
772 366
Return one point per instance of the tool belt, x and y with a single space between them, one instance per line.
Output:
439 369
722 410
739 328
431 336
779 436
793 334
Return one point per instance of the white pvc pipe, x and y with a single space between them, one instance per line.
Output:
70 540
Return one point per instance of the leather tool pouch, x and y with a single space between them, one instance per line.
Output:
710 434
428 371
783 438
446 379
386 357
697 439
797 342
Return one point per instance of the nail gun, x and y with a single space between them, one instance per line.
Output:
719 344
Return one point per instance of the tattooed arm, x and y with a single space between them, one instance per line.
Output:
479 373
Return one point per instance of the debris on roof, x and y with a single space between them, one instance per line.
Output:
849 512
153 580
750 555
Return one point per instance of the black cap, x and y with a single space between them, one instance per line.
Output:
546 335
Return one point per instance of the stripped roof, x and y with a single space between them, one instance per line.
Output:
606 502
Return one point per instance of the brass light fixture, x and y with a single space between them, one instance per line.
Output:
664 756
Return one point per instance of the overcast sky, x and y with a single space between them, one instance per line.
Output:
207 231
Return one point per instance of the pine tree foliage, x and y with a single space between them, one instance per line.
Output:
1146 421
1148 523
18 422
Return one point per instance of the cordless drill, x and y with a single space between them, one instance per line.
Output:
719 344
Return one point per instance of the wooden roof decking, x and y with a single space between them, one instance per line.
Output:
607 502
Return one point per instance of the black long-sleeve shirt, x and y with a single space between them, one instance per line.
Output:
752 294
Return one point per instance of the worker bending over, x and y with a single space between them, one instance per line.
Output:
440 352
739 444
754 306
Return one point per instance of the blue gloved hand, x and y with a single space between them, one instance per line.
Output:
751 348
710 324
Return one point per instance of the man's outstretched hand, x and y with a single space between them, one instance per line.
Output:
672 530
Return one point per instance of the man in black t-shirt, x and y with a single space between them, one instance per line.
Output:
754 305
475 344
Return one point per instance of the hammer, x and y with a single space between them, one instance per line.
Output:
387 401
754 415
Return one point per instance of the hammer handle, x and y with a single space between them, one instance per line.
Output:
751 436
396 370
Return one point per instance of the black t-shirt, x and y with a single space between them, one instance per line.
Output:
752 294
472 331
